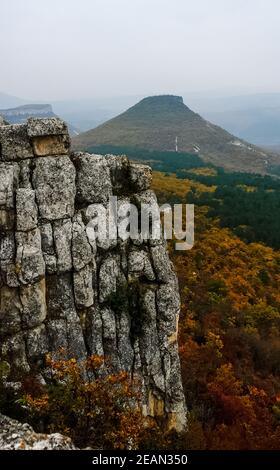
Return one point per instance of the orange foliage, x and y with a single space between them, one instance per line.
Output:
92 407
229 332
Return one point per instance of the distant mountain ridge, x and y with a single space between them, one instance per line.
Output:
20 114
9 101
158 122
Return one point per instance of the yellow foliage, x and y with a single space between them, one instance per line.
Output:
205 171
92 407
169 185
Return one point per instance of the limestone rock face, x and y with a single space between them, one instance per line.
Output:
62 285
15 144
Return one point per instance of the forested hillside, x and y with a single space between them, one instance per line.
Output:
229 327
247 203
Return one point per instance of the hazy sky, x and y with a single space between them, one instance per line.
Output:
59 49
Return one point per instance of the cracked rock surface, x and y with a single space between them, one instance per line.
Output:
18 436
62 286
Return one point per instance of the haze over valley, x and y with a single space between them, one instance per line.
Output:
114 334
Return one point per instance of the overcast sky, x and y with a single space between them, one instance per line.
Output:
61 49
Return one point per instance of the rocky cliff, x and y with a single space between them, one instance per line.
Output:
60 288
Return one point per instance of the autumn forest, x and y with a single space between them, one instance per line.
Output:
229 327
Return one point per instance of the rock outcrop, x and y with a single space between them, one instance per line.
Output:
18 436
62 288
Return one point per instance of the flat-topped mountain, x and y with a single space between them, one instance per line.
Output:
20 114
158 122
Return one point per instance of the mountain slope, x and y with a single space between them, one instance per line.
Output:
155 122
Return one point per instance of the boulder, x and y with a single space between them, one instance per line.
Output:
20 436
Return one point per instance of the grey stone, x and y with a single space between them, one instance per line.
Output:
57 334
119 171
10 311
51 264
109 325
106 244
7 247
94 329
140 176
37 344
39 127
48 248
11 275
59 295
54 183
93 179
29 258
146 201
108 275
168 308
81 248
75 338
137 364
83 287
25 174
147 197
15 144
8 181
161 262
67 335
62 232
168 301
101 240
125 348
9 174
149 341
13 351
7 259
33 304
47 239
7 219
139 264
109 337
26 209
17 436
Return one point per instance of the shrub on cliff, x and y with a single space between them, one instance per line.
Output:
92 407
